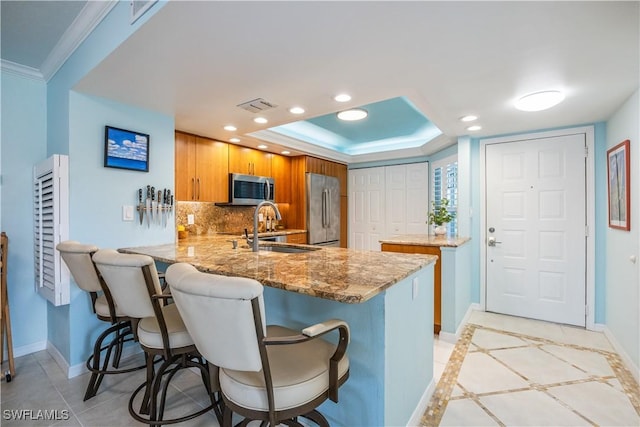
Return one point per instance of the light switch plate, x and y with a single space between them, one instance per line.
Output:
190 219
127 213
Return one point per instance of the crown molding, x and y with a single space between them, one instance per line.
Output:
21 70
87 20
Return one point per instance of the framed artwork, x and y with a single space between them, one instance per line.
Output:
125 149
618 164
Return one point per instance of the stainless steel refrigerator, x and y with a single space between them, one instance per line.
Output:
323 209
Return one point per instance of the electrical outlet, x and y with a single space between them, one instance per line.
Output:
127 213
415 287
191 219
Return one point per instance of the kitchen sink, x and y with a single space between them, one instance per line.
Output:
291 249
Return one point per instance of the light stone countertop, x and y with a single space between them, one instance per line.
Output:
426 240
343 275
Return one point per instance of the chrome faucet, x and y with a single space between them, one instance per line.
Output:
255 220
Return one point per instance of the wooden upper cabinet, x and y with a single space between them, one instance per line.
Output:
212 170
326 167
249 161
185 167
201 169
281 172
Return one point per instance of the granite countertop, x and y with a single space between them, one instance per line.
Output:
426 240
343 275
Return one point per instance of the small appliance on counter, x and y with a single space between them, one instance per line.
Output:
323 210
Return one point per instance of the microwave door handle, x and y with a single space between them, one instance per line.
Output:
267 191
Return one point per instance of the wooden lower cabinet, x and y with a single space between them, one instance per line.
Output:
300 238
437 275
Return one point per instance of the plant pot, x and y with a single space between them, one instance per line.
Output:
440 230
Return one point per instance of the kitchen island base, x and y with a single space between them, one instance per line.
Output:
390 353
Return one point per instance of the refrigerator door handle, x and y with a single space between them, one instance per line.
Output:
324 208
328 207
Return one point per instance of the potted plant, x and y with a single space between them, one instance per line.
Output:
439 216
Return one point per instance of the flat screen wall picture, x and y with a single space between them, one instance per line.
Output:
618 164
125 149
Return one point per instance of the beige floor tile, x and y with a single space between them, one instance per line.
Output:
537 366
612 408
442 351
26 408
591 362
530 408
457 391
582 337
481 374
466 413
492 340
438 369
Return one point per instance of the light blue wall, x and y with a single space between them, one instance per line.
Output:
23 144
622 276
40 119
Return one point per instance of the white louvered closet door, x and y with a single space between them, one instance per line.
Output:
51 226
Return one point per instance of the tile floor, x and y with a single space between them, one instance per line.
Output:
509 371
503 371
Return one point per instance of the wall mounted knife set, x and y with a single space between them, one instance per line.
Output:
157 208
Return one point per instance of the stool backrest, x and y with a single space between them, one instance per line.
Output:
218 312
77 256
132 279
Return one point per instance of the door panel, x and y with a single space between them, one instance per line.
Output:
536 203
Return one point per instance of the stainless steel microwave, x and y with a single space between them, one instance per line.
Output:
250 189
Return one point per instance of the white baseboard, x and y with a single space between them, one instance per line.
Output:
632 367
453 338
81 368
417 414
26 349
597 327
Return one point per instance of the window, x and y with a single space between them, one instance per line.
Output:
444 184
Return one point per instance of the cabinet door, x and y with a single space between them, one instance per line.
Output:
366 208
281 172
300 238
396 199
344 221
261 161
185 172
315 165
240 159
212 182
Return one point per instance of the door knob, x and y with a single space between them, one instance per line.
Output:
491 241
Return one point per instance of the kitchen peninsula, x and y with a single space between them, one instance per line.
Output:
387 299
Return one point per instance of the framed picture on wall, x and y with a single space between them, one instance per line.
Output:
618 164
125 149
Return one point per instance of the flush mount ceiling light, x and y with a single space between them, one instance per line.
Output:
285 152
296 110
343 97
474 127
540 100
260 120
230 128
262 146
468 118
353 114
234 140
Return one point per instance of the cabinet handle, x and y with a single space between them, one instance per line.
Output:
249 168
198 188
193 188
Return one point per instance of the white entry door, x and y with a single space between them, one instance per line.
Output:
366 208
536 229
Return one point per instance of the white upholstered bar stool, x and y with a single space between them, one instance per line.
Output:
135 287
77 257
268 373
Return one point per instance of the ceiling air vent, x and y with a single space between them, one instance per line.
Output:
257 105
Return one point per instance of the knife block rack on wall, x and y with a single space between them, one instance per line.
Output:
155 209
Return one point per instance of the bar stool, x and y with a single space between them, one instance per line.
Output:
135 287
77 257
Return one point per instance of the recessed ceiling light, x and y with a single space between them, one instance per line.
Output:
343 97
230 128
286 152
234 140
540 100
468 118
474 127
353 114
260 120
262 146
296 110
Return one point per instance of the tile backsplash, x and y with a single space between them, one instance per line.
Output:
210 219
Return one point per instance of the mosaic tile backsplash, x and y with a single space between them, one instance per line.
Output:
211 219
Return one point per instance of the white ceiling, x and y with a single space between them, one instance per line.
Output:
197 60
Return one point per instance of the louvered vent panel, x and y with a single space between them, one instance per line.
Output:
51 225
